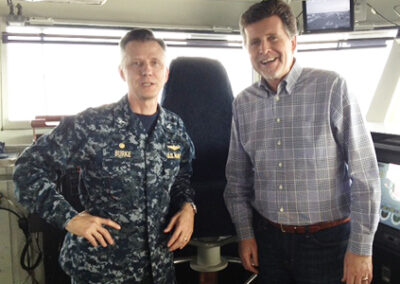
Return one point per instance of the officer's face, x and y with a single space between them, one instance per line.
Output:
270 48
143 68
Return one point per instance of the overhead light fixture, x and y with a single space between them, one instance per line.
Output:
88 2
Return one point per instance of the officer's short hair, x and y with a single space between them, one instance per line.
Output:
142 35
268 8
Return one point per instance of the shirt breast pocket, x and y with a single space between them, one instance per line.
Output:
170 166
117 176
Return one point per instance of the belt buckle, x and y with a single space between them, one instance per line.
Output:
283 231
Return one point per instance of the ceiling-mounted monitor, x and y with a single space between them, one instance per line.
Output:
322 16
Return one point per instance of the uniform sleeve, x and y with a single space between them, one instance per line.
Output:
39 167
359 155
239 186
181 191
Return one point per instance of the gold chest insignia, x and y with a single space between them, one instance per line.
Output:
173 154
174 147
122 154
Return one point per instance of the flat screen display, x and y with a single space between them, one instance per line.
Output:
328 16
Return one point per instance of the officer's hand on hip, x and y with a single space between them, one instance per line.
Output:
183 222
91 228
249 254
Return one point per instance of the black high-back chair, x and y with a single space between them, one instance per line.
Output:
199 91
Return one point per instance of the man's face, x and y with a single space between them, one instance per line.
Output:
270 48
143 68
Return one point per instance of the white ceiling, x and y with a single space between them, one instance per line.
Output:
194 14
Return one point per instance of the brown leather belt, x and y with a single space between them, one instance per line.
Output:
309 228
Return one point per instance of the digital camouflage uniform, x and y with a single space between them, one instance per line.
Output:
134 179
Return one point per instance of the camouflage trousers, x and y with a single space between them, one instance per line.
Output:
148 279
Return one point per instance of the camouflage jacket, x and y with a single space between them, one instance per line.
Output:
134 179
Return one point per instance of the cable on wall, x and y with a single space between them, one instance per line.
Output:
26 261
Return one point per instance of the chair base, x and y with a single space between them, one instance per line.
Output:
204 264
208 258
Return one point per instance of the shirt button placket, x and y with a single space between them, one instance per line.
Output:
279 151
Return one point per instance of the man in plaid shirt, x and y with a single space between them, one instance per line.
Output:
303 186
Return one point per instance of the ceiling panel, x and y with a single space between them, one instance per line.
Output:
196 14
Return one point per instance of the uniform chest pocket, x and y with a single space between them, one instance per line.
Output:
119 162
170 160
170 167
117 177
168 172
114 167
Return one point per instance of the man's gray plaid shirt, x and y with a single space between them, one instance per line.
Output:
302 156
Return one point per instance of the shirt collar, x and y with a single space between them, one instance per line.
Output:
287 84
124 115
292 77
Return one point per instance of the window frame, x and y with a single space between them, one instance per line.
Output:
202 39
182 38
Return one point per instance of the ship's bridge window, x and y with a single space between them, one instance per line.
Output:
359 57
64 70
